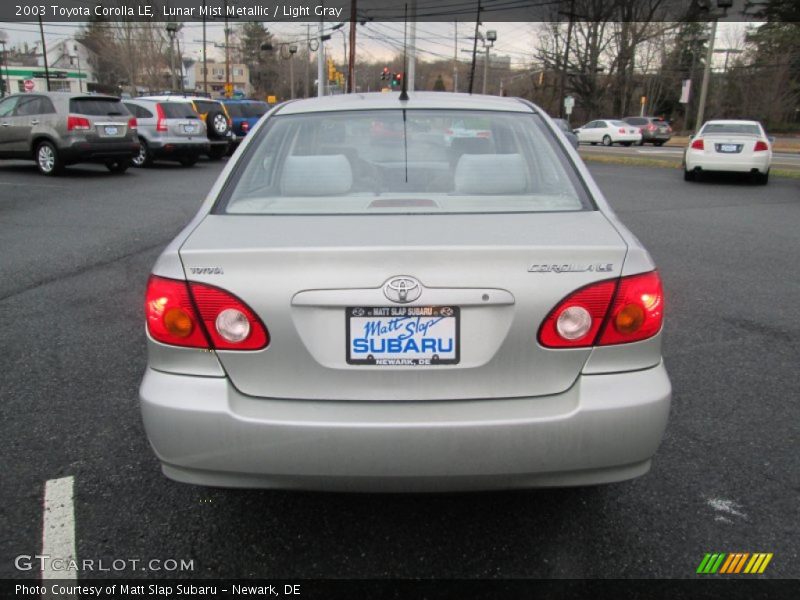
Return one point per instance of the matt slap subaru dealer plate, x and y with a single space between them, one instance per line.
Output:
402 335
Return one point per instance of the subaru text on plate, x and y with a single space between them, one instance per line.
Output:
349 311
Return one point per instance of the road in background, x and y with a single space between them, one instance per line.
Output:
77 251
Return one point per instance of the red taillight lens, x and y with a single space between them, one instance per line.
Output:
590 302
622 130
75 122
761 146
245 126
614 311
161 123
132 123
192 314
637 312
698 145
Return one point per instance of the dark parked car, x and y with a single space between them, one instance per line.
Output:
564 126
244 116
654 130
56 129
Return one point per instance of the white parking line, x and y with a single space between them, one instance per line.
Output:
58 530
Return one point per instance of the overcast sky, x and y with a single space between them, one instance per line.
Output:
376 41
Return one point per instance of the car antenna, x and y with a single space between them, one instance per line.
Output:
404 83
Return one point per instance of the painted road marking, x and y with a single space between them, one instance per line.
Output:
58 530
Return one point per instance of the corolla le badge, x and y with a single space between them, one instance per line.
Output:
571 268
402 289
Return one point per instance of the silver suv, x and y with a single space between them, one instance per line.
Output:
168 130
61 128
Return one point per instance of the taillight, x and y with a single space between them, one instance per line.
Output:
245 126
761 146
75 122
132 123
698 144
651 127
622 130
613 311
196 315
161 123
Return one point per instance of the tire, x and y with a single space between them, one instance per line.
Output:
47 159
761 178
189 161
688 175
659 143
118 166
217 125
144 158
217 152
607 140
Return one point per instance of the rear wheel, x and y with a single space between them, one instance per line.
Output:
47 160
144 158
188 161
659 143
607 140
118 166
688 175
217 152
761 178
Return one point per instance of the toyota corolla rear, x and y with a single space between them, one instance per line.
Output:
349 312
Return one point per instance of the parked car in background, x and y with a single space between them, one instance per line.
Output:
565 128
215 117
57 129
244 116
468 128
608 132
654 130
168 130
729 146
507 336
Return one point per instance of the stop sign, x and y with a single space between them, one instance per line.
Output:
29 85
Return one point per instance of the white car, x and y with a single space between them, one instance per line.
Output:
607 132
732 146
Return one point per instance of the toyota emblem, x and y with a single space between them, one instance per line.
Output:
402 289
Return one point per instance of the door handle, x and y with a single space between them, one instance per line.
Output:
5 124
34 121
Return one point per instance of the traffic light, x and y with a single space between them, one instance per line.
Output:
385 74
397 79
331 70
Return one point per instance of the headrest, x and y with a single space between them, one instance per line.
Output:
316 175
490 174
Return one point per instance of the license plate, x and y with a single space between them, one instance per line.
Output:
112 130
402 335
189 129
728 148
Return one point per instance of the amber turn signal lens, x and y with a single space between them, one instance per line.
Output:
178 322
629 319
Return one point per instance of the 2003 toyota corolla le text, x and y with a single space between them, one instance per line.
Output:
354 308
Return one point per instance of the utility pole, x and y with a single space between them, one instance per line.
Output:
412 49
351 60
474 48
205 62
455 57
565 65
227 52
488 42
320 63
308 59
44 54
706 74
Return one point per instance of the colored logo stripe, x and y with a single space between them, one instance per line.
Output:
723 563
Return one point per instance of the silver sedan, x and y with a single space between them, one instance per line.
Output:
360 305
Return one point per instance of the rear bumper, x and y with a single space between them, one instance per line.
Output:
605 428
656 137
177 149
91 151
734 164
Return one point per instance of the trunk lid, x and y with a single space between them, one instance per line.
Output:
503 274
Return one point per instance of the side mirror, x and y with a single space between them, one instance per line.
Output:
576 131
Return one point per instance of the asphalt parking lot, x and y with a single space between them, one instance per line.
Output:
76 252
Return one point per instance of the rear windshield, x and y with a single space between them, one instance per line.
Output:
178 110
404 161
97 107
619 123
235 110
731 128
206 106
255 109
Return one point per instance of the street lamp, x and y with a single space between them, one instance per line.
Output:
7 87
291 47
172 30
